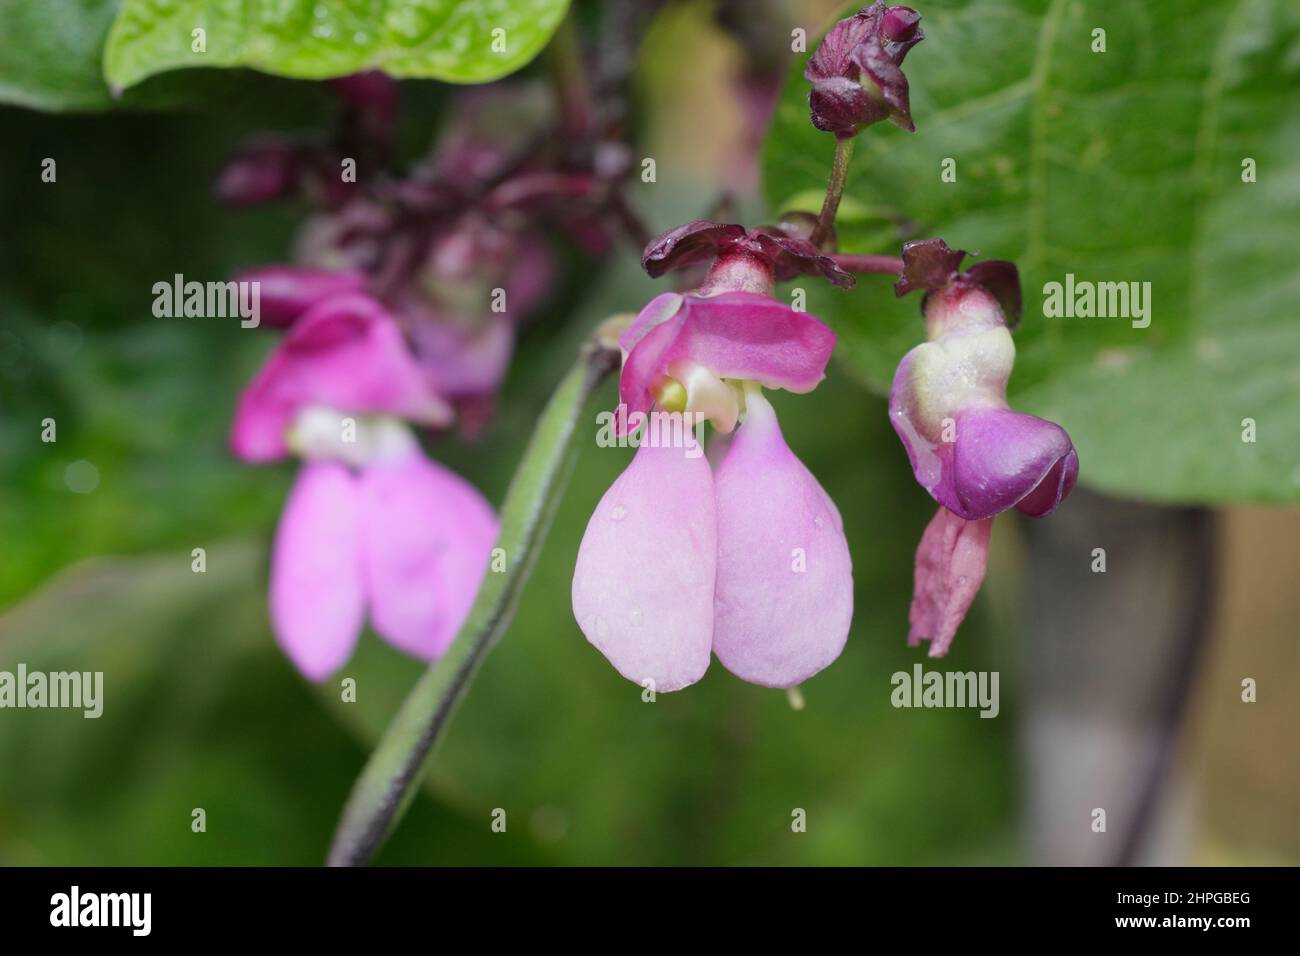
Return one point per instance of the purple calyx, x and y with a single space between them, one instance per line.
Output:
742 260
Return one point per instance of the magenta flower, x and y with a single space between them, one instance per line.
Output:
745 558
972 453
371 523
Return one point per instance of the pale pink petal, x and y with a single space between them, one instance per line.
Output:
317 601
643 583
950 564
785 580
426 542
345 353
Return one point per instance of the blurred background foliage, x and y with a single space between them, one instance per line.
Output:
201 710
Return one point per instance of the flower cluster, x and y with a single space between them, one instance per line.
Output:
400 310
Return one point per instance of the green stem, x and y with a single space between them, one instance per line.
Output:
387 783
570 78
834 190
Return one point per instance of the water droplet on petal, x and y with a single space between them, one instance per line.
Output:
819 521
961 580
617 513
636 616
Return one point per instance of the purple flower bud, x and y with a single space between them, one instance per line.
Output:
261 171
856 72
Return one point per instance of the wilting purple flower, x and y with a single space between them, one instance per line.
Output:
856 71
371 522
950 564
972 453
745 558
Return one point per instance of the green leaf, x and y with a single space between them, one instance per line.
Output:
50 54
1123 165
459 41
51 59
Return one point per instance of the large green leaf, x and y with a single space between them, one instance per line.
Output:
51 59
460 41
1123 165
49 53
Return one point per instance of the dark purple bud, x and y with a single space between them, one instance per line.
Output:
261 171
856 74
286 292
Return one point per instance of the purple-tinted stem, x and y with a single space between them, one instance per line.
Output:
891 265
834 190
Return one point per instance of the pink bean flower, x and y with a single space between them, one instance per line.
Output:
743 557
372 524
972 453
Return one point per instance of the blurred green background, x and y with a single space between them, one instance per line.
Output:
201 710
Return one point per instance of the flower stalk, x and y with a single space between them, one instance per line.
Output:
825 227
387 783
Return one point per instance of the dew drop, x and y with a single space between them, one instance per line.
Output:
961 580
636 616
617 513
